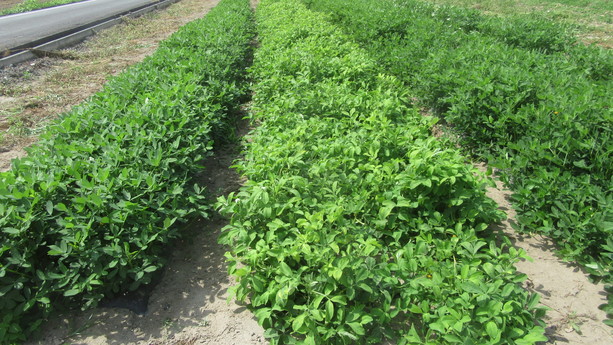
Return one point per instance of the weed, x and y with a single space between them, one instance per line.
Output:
574 321
169 323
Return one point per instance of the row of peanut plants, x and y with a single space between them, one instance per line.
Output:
92 208
355 225
521 94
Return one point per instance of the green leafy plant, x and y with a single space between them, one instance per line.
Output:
355 225
90 210
520 94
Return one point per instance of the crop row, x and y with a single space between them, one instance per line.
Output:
355 225
519 93
89 211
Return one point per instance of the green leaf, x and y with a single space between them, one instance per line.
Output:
386 209
298 322
366 319
489 269
310 340
61 207
316 301
535 335
348 335
150 269
329 310
11 231
471 287
492 331
356 327
44 300
452 338
71 292
55 250
533 301
339 299
241 272
335 248
438 326
285 269
49 207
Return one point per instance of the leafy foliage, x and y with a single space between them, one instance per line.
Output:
89 211
521 96
355 224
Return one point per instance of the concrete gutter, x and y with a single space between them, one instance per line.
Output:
70 38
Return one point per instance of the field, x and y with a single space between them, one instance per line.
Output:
590 20
361 216
18 6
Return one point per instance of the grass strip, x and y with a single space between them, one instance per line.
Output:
355 225
92 208
31 5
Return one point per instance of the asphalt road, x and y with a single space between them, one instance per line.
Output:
23 28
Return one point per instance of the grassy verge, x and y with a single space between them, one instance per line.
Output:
31 5
592 20
355 225
88 213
